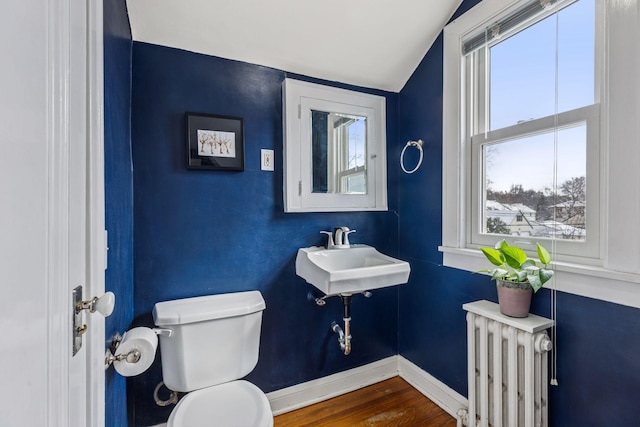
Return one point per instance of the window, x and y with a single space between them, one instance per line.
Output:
533 127
532 89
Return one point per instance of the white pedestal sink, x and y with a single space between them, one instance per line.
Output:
352 270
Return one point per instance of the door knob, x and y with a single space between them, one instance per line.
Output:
103 305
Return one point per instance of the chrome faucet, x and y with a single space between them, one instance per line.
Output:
339 239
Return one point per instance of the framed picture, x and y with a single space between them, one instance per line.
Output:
215 142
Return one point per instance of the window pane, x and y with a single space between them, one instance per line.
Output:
576 56
523 68
356 184
521 196
357 141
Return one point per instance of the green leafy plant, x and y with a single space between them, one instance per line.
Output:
513 265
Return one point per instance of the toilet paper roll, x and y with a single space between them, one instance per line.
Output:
146 342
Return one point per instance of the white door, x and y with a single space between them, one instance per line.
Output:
51 211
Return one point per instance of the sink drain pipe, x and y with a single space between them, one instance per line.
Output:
344 337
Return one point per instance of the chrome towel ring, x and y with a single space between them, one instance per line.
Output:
418 145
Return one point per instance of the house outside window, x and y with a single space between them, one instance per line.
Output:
529 148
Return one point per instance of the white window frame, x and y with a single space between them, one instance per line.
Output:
612 273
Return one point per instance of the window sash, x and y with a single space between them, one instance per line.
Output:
587 251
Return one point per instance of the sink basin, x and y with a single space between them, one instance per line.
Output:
346 271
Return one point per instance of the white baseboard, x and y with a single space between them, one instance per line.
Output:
318 390
305 394
434 389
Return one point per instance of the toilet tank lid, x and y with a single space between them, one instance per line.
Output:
210 307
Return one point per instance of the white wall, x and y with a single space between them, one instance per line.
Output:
23 224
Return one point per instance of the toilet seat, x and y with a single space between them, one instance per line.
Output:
233 404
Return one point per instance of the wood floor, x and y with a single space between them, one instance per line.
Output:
389 403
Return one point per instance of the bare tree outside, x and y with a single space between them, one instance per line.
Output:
574 190
559 213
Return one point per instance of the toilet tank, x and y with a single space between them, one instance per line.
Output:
214 339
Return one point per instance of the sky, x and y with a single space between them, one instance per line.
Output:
507 165
523 87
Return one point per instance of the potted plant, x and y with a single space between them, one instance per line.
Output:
517 276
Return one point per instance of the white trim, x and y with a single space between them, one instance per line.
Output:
95 341
321 389
622 128
58 300
588 281
454 155
435 390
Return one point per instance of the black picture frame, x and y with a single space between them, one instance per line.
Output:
214 142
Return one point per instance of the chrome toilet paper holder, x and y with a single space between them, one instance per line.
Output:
131 357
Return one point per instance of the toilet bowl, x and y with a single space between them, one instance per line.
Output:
234 404
209 343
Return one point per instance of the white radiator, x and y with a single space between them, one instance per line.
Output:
507 368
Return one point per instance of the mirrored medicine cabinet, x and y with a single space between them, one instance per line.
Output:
334 149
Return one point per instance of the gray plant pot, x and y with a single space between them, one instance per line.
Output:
514 298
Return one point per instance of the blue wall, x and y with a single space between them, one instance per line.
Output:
118 190
598 342
208 232
195 230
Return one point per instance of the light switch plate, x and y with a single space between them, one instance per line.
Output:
266 160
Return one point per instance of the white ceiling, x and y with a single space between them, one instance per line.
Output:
371 43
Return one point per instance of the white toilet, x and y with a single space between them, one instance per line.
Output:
214 341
